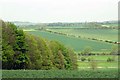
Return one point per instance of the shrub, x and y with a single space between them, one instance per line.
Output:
110 59
83 58
79 54
87 51
89 59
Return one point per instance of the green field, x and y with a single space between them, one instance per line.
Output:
101 61
101 34
78 44
101 57
87 73
106 65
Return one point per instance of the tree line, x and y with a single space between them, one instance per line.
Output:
22 50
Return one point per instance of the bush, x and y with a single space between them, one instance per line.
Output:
79 54
87 51
89 59
83 58
110 59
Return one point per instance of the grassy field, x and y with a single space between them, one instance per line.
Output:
100 60
101 57
78 44
87 73
106 64
102 34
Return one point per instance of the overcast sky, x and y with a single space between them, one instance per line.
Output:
58 10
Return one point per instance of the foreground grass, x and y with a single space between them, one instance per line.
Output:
87 73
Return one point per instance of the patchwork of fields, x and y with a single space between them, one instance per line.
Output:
104 67
78 44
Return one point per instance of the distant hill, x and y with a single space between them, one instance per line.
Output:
114 21
104 24
110 24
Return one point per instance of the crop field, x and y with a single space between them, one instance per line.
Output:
77 44
87 73
102 34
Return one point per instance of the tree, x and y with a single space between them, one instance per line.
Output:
21 62
93 64
14 46
45 52
62 56
72 59
20 49
24 51
34 54
7 56
59 60
87 51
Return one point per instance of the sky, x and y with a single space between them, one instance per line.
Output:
45 11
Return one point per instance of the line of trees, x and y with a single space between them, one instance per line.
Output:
24 51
